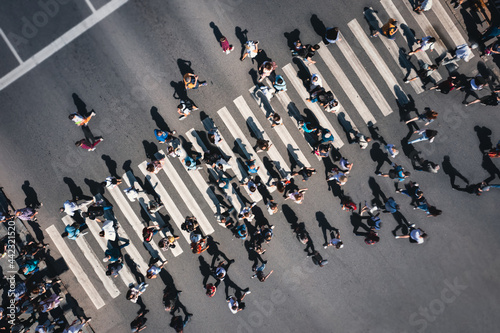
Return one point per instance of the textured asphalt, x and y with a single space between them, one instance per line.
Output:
130 64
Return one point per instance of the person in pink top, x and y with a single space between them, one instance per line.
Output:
226 47
87 145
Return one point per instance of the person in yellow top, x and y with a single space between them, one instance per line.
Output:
191 81
388 30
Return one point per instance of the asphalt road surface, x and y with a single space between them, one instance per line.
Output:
128 68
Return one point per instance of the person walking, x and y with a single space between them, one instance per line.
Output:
149 232
424 73
226 47
423 6
332 35
83 143
429 116
155 166
139 323
236 305
475 84
388 30
134 292
164 136
339 177
391 149
416 235
426 43
279 84
425 134
178 324
185 108
305 172
73 231
191 81
259 273
26 214
262 145
308 52
266 69
251 49
374 218
397 172
80 120
114 268
297 196
108 230
153 270
358 137
275 119
335 240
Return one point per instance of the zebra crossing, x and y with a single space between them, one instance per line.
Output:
181 199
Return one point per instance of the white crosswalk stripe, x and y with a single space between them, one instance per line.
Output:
377 60
291 75
233 196
346 85
186 195
170 206
399 58
283 133
364 77
393 12
134 221
245 146
260 133
94 261
75 267
180 193
156 219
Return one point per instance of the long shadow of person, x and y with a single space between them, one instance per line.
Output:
242 37
75 190
292 37
357 223
253 256
127 166
490 167
230 284
112 166
150 149
214 251
324 225
484 136
31 196
373 23
218 35
134 269
205 270
379 196
179 90
318 26
452 172
379 156
375 135
158 119
81 107
254 74
184 66
95 187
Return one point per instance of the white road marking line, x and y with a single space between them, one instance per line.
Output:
449 27
395 53
75 267
291 74
91 6
364 77
375 57
170 206
345 84
259 131
156 219
393 12
428 29
11 47
94 228
245 146
96 264
238 169
281 130
59 43
133 220
186 195
234 199
290 107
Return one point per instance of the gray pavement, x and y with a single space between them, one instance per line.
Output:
131 62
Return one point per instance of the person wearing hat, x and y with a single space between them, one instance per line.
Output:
388 30
335 241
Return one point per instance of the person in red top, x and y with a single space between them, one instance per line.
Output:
226 47
87 145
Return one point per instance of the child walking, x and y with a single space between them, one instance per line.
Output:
226 47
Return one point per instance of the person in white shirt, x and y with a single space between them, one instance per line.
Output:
426 43
236 305
134 292
70 207
417 235
108 230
